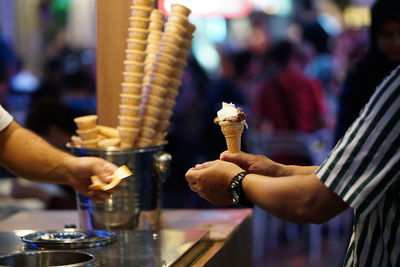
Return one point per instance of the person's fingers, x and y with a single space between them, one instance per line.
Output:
193 186
241 159
104 170
202 165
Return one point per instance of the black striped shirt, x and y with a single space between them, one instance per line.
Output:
364 170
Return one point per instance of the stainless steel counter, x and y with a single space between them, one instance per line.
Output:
229 242
131 248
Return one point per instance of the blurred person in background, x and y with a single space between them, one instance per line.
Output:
185 132
8 67
288 101
381 58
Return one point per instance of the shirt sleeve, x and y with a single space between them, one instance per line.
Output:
5 118
365 163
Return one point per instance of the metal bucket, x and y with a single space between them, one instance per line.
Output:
136 205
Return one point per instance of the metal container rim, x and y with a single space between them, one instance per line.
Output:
114 150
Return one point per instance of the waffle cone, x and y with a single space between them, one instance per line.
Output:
233 134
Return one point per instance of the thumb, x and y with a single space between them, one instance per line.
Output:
241 159
104 169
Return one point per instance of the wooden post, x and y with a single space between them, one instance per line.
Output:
112 31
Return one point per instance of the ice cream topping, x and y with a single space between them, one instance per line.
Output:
229 112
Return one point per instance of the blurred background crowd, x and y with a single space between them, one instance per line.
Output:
301 70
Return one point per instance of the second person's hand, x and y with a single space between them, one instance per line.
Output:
257 164
211 180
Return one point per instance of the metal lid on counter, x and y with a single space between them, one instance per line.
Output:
69 238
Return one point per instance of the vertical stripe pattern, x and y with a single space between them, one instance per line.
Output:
364 170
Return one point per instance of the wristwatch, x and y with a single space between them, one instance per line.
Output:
236 191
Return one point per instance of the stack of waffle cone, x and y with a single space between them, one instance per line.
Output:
159 71
153 81
87 132
233 134
155 58
174 84
130 96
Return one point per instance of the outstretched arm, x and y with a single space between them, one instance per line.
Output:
260 164
292 193
27 155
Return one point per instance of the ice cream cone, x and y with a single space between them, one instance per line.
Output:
140 34
157 79
163 125
158 68
144 142
180 9
178 18
166 59
166 115
132 88
153 111
170 103
128 136
186 44
154 100
183 53
129 111
174 28
149 121
130 100
86 122
152 48
181 63
107 131
233 134
190 28
156 26
146 3
139 23
172 94
177 73
159 137
133 66
156 15
76 141
132 122
132 77
154 37
155 91
147 132
88 134
140 11
109 142
172 36
90 143
135 55
169 48
136 44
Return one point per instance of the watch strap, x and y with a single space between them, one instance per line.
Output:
236 185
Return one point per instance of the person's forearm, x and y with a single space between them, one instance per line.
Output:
298 198
29 156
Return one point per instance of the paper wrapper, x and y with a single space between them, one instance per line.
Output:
233 134
120 174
